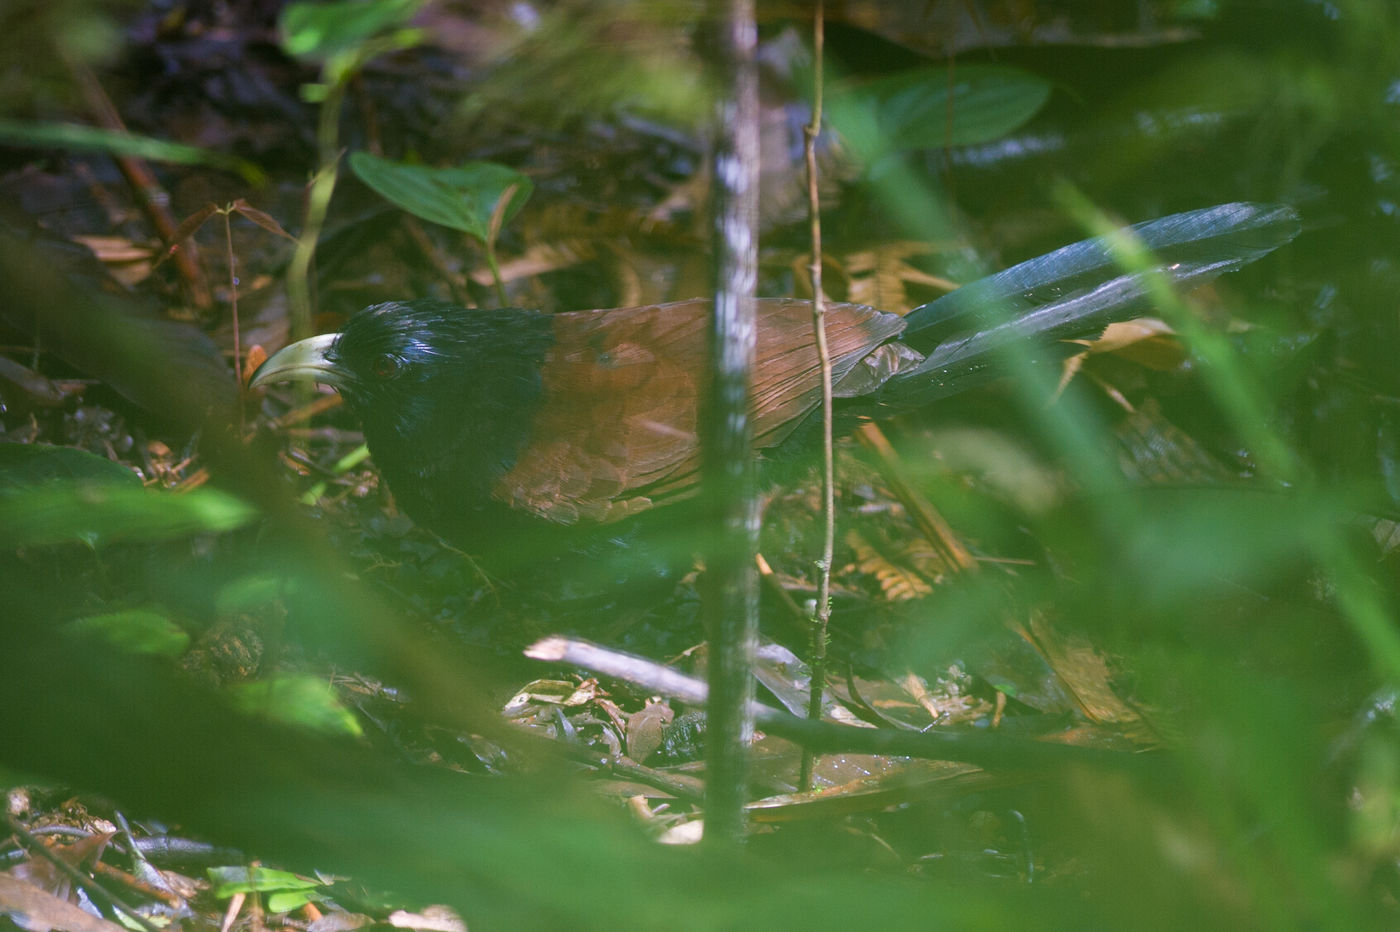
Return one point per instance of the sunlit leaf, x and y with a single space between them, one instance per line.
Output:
879 275
254 358
104 514
139 631
286 901
247 593
306 701
317 31
241 879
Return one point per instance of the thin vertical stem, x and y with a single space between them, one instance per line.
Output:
318 202
821 616
233 301
730 595
233 315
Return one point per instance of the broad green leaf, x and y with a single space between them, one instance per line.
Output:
286 901
318 31
249 592
926 108
306 701
241 879
138 631
25 467
462 198
100 514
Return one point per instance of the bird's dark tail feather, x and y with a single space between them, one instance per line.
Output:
1076 291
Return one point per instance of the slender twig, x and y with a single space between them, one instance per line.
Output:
930 522
153 200
681 786
770 579
821 616
233 315
975 747
233 300
493 230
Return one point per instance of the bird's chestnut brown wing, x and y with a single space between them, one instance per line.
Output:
616 429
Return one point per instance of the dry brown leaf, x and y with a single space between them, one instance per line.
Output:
262 219
898 582
254 358
187 228
126 261
646 728
1084 672
428 919
552 692
34 909
1146 341
879 277
540 258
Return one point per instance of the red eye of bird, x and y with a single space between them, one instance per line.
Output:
386 366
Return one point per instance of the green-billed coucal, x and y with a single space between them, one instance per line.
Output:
484 420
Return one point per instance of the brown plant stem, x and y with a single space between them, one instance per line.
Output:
821 615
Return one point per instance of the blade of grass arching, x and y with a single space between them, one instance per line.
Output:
1243 403
1070 426
1227 381
343 465
79 138
1262 780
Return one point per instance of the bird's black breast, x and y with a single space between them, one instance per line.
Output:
447 397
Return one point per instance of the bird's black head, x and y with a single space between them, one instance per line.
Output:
405 359
444 393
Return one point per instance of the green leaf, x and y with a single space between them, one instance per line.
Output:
99 514
925 109
250 592
320 31
76 137
241 879
25 467
285 902
51 494
137 631
462 198
305 701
